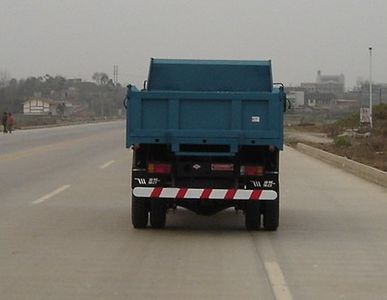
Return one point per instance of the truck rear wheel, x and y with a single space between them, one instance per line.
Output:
253 215
271 215
158 211
139 212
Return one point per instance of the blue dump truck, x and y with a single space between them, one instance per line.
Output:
206 136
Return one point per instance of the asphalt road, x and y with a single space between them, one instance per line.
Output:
65 230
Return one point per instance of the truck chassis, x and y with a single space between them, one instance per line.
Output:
162 181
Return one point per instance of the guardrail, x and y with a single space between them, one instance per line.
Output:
351 166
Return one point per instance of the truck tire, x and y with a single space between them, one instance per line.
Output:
271 215
158 211
139 212
253 215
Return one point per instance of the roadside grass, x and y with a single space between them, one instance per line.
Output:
360 144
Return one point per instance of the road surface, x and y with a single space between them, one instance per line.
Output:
65 230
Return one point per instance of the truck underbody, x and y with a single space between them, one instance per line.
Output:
206 184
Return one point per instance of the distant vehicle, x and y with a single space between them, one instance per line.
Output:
206 135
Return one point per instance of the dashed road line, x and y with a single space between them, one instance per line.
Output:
106 164
52 194
277 281
267 256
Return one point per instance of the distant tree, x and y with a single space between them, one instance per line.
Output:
56 83
101 97
59 83
4 78
61 109
100 78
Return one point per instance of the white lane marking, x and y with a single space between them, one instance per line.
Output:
50 195
107 164
277 281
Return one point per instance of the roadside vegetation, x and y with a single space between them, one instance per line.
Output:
351 140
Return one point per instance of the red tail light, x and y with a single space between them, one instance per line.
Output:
222 167
159 168
252 170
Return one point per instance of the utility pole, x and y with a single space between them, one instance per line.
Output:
370 49
380 95
115 74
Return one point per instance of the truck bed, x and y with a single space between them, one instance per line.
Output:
205 118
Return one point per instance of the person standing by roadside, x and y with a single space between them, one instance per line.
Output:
10 122
4 122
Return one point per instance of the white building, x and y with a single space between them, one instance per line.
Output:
296 98
40 106
326 84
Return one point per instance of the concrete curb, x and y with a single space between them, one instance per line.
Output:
351 166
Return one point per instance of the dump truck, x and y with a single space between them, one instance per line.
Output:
206 136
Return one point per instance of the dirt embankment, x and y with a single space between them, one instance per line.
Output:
346 138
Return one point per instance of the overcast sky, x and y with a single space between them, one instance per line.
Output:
75 38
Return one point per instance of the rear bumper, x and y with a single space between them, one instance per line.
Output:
204 194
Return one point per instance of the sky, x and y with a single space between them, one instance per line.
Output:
76 38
